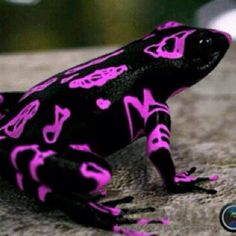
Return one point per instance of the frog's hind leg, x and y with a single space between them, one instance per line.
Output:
70 171
64 180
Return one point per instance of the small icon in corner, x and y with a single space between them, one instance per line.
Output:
228 217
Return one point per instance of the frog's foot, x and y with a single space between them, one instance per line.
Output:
125 200
140 221
101 216
186 182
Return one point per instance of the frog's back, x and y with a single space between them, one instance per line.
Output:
75 105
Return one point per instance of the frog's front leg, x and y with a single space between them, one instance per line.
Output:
157 130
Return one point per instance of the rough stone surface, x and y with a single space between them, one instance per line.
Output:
204 135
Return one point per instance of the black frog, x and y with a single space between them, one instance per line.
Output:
54 138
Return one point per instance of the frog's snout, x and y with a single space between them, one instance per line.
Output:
225 34
228 36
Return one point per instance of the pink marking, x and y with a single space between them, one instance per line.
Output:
129 232
145 221
39 87
158 51
2 137
19 180
37 160
81 147
149 36
18 150
143 109
94 62
2 116
1 99
69 78
168 25
214 178
103 104
61 115
177 91
98 77
155 139
101 175
112 210
43 190
14 128
182 177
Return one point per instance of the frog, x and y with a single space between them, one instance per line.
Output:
56 136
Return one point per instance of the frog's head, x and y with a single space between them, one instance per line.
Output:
183 55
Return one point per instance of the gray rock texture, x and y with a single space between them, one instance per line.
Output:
204 135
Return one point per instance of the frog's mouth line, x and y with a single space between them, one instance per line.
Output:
208 62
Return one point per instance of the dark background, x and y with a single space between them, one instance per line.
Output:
53 24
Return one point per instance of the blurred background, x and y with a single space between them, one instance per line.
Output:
36 25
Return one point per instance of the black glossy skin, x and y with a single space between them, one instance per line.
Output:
106 130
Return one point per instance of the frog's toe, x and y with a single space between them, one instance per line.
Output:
145 221
211 178
138 210
186 176
139 221
124 200
130 232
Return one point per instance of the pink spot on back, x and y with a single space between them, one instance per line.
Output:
69 78
103 103
52 132
98 78
81 147
94 62
39 87
15 127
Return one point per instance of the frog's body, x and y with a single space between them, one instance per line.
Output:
55 136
